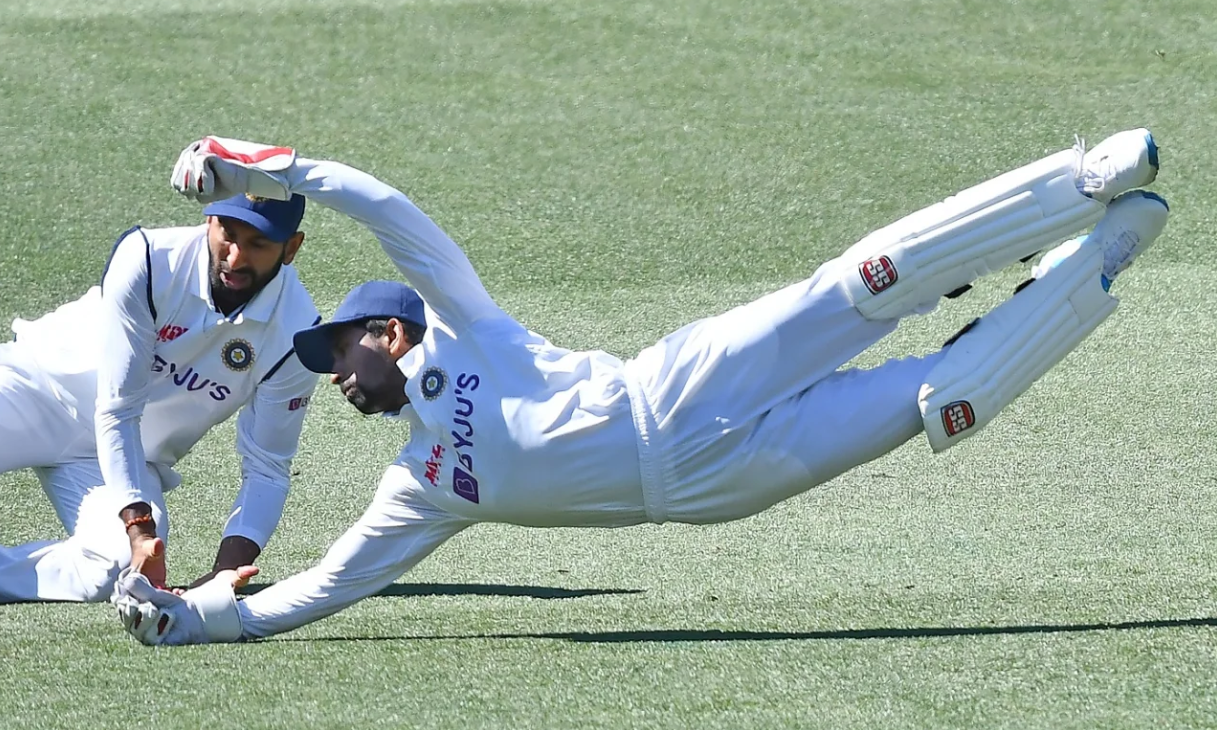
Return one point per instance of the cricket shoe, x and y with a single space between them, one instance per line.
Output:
1131 224
1122 162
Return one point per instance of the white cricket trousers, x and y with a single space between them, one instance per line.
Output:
38 431
738 412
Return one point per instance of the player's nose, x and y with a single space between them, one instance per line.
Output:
236 256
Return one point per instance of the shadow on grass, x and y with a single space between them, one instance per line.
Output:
425 590
693 635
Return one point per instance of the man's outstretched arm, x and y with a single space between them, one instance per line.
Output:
396 532
390 539
215 167
430 261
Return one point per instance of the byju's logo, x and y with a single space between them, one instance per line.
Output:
190 379
464 484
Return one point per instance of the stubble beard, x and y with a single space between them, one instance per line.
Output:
228 299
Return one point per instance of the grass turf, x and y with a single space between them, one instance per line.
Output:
615 170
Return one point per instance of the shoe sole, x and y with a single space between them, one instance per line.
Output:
1152 146
1145 195
1149 196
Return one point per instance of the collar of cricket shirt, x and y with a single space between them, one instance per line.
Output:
410 363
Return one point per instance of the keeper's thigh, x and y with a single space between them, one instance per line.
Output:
81 500
847 419
35 428
739 364
84 566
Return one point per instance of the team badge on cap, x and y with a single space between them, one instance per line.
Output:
238 355
434 382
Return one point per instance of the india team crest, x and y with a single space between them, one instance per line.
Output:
434 382
237 355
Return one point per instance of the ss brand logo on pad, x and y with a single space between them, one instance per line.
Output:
878 274
958 417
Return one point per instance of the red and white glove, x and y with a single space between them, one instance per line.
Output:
215 168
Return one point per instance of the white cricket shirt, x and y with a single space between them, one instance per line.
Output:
148 363
504 426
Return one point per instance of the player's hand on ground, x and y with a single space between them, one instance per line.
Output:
207 614
215 168
240 579
148 558
203 579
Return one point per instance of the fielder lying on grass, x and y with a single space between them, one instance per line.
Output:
717 421
104 395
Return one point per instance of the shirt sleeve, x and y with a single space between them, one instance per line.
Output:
433 264
396 532
128 323
268 434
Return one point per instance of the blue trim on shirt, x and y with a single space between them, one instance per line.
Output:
283 359
147 256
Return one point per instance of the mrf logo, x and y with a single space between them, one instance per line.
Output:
878 274
463 481
958 417
170 332
434 463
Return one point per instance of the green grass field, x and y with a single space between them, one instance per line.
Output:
615 170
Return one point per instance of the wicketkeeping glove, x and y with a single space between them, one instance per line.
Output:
204 615
215 168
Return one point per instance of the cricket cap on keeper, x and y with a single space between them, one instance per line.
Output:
278 220
368 301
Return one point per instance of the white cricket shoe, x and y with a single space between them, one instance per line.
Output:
1123 161
1131 224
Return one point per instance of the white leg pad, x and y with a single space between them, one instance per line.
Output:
1013 346
914 261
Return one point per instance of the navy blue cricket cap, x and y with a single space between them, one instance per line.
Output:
278 220
368 301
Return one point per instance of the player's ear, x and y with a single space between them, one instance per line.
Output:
399 342
292 246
